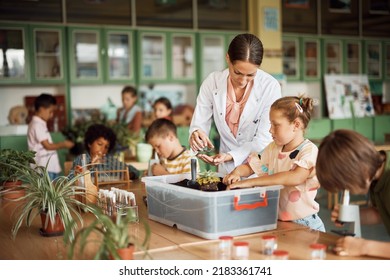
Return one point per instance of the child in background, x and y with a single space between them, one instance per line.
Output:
39 138
174 157
162 108
99 142
349 161
130 114
289 160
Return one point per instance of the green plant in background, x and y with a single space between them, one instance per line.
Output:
111 235
76 133
8 157
43 195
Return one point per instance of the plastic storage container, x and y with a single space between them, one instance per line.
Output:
211 214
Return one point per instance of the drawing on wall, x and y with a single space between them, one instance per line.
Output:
348 96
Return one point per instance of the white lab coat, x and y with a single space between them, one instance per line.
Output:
253 129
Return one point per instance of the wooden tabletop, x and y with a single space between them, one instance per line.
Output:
166 242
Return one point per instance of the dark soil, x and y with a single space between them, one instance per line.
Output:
196 186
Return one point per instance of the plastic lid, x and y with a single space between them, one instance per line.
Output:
240 243
280 253
268 237
318 246
226 237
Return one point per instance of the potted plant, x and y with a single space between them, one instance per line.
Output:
9 178
114 236
55 201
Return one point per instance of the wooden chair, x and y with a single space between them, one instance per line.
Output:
112 178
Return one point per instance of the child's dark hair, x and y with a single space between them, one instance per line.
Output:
160 128
246 47
165 101
295 107
95 131
44 100
130 89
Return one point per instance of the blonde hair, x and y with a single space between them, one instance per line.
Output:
295 107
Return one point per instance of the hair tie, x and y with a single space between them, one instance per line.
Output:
298 107
300 101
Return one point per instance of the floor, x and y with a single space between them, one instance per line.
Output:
375 232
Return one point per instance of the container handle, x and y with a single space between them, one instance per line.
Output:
252 206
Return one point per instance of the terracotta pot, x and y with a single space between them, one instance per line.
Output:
51 230
13 191
125 253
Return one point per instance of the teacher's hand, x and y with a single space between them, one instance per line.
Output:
215 159
200 140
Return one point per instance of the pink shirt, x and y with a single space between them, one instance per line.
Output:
38 132
295 202
233 108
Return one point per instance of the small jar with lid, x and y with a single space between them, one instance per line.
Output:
317 251
225 247
268 244
240 250
280 255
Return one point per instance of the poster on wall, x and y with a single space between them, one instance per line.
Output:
348 96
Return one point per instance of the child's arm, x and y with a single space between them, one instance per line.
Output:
158 169
67 144
243 170
286 178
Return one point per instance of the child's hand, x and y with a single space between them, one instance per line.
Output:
158 169
97 158
335 215
231 178
78 169
240 185
68 144
350 246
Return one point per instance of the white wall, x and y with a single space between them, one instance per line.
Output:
11 96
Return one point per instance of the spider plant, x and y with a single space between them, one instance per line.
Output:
9 156
111 235
57 197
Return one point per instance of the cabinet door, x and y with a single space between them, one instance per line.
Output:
374 60
153 57
48 54
353 56
119 56
182 57
311 61
387 61
318 129
381 127
85 55
14 60
291 58
365 126
342 124
333 57
212 54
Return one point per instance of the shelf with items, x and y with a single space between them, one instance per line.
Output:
373 59
387 61
14 54
333 63
212 53
311 59
291 63
183 65
48 59
353 57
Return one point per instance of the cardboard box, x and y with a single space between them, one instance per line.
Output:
211 214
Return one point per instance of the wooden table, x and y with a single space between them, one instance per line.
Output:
166 242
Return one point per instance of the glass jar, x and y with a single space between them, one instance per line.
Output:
225 247
280 255
318 251
268 244
240 250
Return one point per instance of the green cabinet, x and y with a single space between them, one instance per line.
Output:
48 54
342 124
365 126
387 61
301 58
318 129
381 127
100 55
373 60
166 56
352 57
14 54
333 56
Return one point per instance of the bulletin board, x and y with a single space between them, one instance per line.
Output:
348 96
